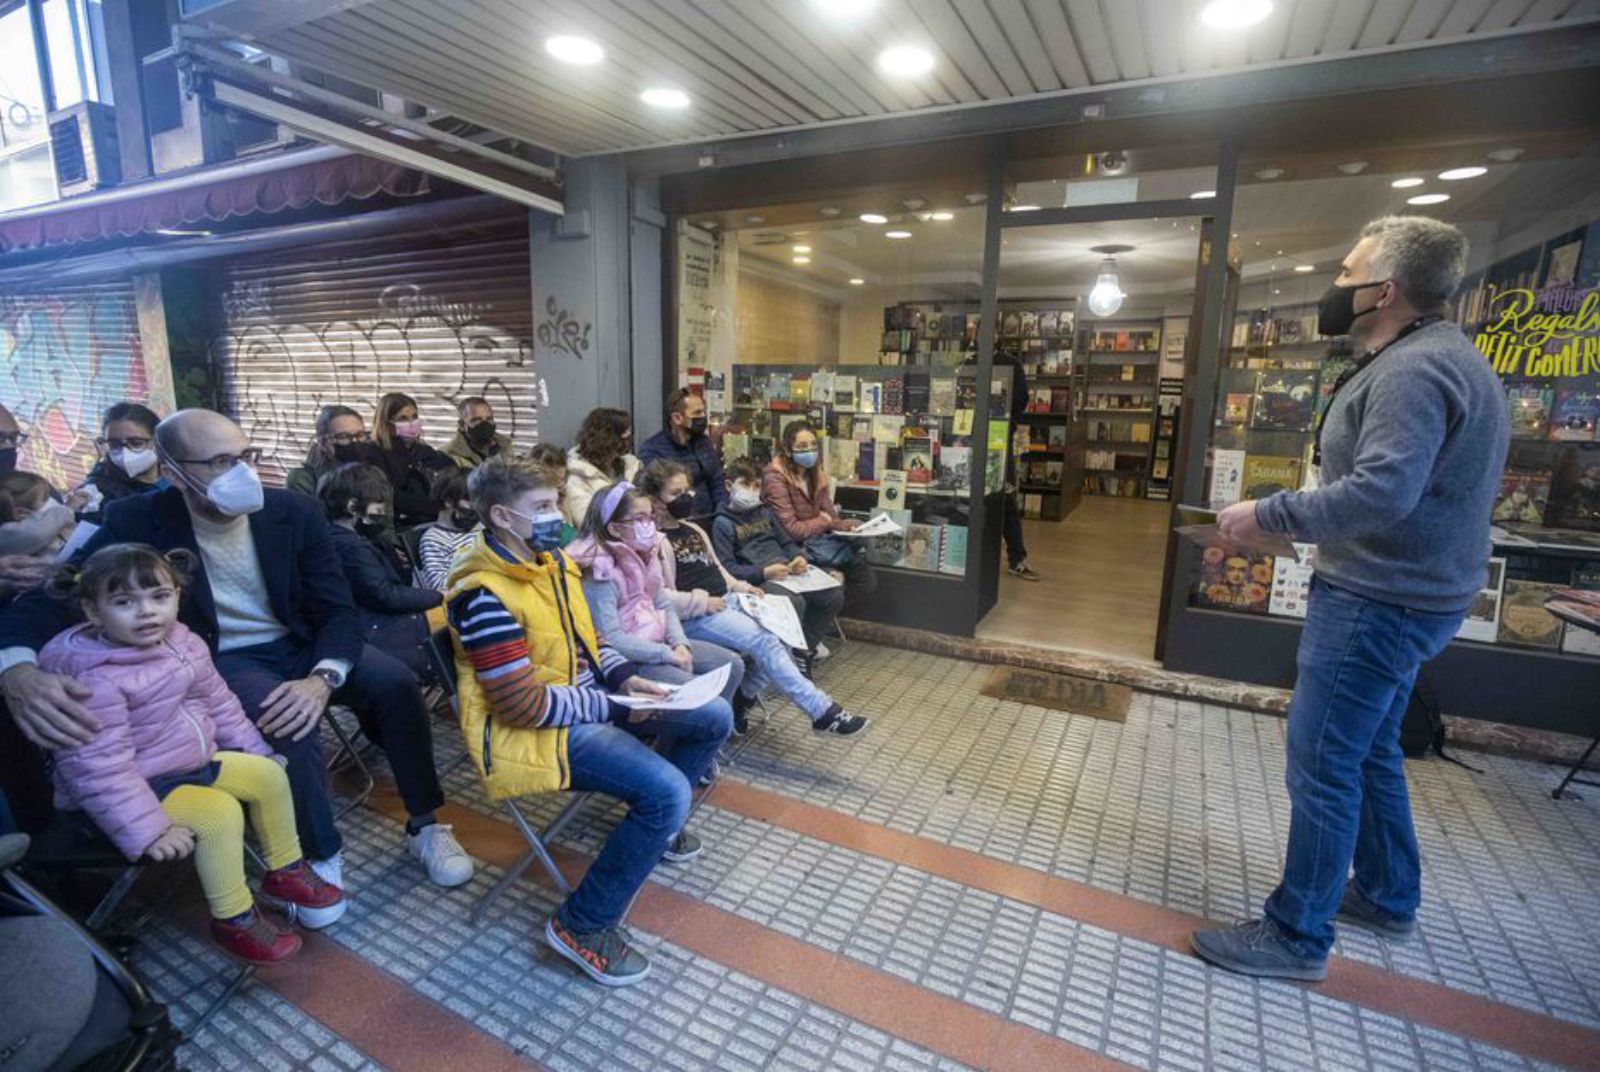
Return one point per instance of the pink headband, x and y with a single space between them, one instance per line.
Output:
608 505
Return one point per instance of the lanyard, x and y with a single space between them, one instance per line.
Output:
1350 373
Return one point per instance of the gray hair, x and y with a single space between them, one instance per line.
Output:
1425 257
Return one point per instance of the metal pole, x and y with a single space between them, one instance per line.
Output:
987 572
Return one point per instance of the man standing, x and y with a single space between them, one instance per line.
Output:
1410 452
684 441
477 438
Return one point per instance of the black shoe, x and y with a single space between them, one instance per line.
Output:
840 722
741 713
1257 947
683 848
1357 911
606 956
1024 572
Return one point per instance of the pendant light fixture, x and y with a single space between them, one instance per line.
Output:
1106 296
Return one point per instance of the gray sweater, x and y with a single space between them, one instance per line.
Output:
1412 453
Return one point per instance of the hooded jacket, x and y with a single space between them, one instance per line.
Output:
163 710
626 592
585 480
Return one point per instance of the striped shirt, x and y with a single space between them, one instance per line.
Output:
437 548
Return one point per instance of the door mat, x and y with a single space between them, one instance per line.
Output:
1061 692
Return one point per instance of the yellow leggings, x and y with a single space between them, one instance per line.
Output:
213 813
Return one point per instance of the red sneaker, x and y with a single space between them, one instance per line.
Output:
257 939
316 903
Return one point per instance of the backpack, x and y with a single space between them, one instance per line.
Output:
1422 727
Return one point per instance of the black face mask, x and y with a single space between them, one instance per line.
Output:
481 435
682 508
464 519
8 461
345 453
697 426
370 527
1336 312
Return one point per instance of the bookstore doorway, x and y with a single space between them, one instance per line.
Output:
1096 315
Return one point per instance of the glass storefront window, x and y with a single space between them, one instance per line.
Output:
27 177
22 114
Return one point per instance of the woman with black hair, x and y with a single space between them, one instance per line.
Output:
128 463
405 459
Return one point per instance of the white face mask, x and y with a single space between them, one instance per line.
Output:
744 499
236 492
134 462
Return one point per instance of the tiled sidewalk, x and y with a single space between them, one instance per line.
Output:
974 883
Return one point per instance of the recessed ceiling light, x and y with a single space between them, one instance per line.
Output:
1024 208
905 61
942 216
873 217
1407 183
897 234
1354 167
1506 155
802 260
1462 173
576 50
858 282
1305 267
844 10
828 210
1270 173
1234 14
664 97
1201 195
1427 199
755 219
913 203
802 249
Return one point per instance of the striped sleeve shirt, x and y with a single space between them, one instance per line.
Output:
498 651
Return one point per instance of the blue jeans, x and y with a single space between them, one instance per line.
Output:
736 630
708 655
610 758
1347 785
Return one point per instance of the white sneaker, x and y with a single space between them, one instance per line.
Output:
822 654
447 862
330 870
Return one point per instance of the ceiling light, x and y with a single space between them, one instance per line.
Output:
1234 14
1506 155
663 97
858 282
1305 267
755 219
1407 183
575 50
828 211
1267 174
1024 208
1105 298
1354 167
802 260
802 249
942 216
897 234
913 203
844 10
905 61
1201 195
1462 173
1427 199
873 217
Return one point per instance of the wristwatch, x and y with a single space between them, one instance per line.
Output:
330 676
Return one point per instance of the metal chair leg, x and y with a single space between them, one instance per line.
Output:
349 755
1572 775
538 851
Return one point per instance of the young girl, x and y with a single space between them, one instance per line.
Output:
616 548
700 589
153 778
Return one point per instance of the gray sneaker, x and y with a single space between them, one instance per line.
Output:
1356 910
1257 947
606 956
682 849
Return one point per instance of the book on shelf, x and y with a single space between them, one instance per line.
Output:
1528 407
942 396
917 459
955 468
1483 617
1057 437
1038 400
1523 619
844 455
887 427
1235 580
866 460
921 547
1236 409
869 399
1028 325
1574 415
1523 497
892 490
894 395
1050 323
1285 402
1267 474
821 389
1011 324
961 422
844 393
1061 400
889 549
953 550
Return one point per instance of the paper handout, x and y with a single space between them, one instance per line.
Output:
881 525
776 616
692 694
814 579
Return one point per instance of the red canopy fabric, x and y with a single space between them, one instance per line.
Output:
326 182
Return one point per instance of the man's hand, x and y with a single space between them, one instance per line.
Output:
716 605
48 708
683 658
1238 522
22 572
291 710
799 565
175 843
776 572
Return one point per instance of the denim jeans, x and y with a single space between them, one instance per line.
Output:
736 630
611 758
1357 663
816 610
708 655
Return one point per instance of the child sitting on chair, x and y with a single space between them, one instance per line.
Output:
153 778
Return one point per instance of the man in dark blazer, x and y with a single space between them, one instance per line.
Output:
268 596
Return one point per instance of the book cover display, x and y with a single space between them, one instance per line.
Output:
1285 402
1523 619
1528 408
1227 477
1235 580
922 547
1572 420
1291 582
1523 498
1266 475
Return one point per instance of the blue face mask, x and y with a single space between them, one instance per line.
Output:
544 530
805 459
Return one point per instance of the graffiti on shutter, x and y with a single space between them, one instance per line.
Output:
438 320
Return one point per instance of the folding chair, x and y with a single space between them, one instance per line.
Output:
538 850
348 757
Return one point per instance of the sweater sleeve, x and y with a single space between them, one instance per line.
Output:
103 776
722 544
675 634
778 494
602 597
1403 427
497 652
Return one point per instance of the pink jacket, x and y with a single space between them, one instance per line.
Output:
799 512
163 710
637 580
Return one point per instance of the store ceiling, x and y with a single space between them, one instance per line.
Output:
763 65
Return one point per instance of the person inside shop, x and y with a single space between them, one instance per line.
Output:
1011 520
394 612
455 527
685 441
341 439
754 547
602 456
534 684
1410 451
702 592
128 464
477 437
795 487
268 597
405 459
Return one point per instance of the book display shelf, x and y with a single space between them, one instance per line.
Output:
1121 363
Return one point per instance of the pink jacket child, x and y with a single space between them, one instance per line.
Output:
163 711
636 582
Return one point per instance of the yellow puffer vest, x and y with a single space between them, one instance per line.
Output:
547 601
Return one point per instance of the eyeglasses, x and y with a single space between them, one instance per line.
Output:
344 439
128 443
217 463
13 439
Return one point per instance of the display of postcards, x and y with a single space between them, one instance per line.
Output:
844 393
1235 580
1291 583
1483 617
922 547
1028 324
887 550
1285 402
1523 619
1574 415
1575 493
870 398
866 461
1265 475
894 395
1528 406
955 468
917 459
887 427
735 445
760 450
1227 477
1236 409
892 490
942 396
843 457
821 393
1011 324
918 388
1523 497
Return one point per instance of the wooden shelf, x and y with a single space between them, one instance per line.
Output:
1139 472
1036 416
1120 412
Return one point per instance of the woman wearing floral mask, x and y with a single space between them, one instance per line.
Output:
128 464
405 459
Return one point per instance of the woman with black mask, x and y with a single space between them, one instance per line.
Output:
341 438
405 459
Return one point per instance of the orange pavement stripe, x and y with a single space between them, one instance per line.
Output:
1531 1034
373 1011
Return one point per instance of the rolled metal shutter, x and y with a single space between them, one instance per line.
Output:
69 353
440 318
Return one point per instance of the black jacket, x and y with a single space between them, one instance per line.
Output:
308 591
391 606
114 484
410 468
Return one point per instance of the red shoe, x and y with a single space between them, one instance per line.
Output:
257 940
316 903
